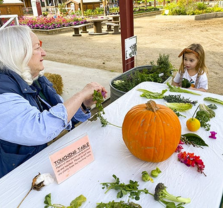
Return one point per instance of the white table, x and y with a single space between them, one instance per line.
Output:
112 157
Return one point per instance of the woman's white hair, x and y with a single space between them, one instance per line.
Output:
16 51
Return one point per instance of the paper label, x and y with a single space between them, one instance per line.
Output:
71 159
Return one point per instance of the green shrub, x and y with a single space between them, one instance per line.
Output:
216 8
188 7
201 6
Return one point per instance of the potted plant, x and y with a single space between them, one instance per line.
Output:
160 72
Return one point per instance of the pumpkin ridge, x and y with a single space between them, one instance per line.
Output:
145 137
137 143
133 116
162 137
172 124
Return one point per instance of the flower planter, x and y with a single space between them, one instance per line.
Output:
115 93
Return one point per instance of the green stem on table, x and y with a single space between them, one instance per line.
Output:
195 111
114 125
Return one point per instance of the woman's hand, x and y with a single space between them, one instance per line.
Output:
88 92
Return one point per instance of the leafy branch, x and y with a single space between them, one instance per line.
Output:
124 189
77 202
97 96
120 204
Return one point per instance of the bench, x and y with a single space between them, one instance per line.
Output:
109 29
77 29
116 27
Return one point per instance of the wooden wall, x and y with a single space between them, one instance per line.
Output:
8 9
86 6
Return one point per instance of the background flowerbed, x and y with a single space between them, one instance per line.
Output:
189 7
48 23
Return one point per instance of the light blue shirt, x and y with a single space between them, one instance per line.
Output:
24 124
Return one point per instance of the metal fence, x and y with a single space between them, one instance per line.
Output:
7 23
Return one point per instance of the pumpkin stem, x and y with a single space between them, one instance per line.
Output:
151 105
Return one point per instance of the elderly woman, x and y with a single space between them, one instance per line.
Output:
31 112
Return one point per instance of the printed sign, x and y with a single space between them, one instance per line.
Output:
71 159
130 47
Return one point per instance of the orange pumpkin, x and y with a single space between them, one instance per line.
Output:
151 131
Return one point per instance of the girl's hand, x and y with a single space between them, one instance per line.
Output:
88 92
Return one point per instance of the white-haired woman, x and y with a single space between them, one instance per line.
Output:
31 112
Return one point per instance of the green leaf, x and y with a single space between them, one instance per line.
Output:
77 202
193 139
215 100
171 205
47 199
179 106
151 95
178 89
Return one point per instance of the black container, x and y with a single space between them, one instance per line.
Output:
115 93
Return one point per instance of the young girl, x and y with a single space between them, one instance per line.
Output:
193 68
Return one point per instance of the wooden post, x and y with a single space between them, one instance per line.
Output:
82 8
154 3
127 30
164 2
104 5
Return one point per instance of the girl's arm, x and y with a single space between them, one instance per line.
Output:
176 80
198 89
175 84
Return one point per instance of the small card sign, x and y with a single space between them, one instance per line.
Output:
71 159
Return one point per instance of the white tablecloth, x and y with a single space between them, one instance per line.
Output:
112 157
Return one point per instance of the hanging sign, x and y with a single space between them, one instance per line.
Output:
130 47
71 159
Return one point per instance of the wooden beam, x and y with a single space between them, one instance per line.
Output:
127 30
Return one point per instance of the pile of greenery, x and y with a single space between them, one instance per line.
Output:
158 72
189 7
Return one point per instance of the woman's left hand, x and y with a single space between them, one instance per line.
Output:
89 101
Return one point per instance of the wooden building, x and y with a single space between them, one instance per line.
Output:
87 4
10 7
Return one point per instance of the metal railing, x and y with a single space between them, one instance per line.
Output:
11 18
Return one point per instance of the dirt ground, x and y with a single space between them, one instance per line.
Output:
154 37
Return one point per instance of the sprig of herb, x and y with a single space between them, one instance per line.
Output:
124 189
178 113
77 202
97 96
120 204
178 99
193 139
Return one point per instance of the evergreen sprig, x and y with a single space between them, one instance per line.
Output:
178 99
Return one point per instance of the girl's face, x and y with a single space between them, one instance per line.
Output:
36 61
190 61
